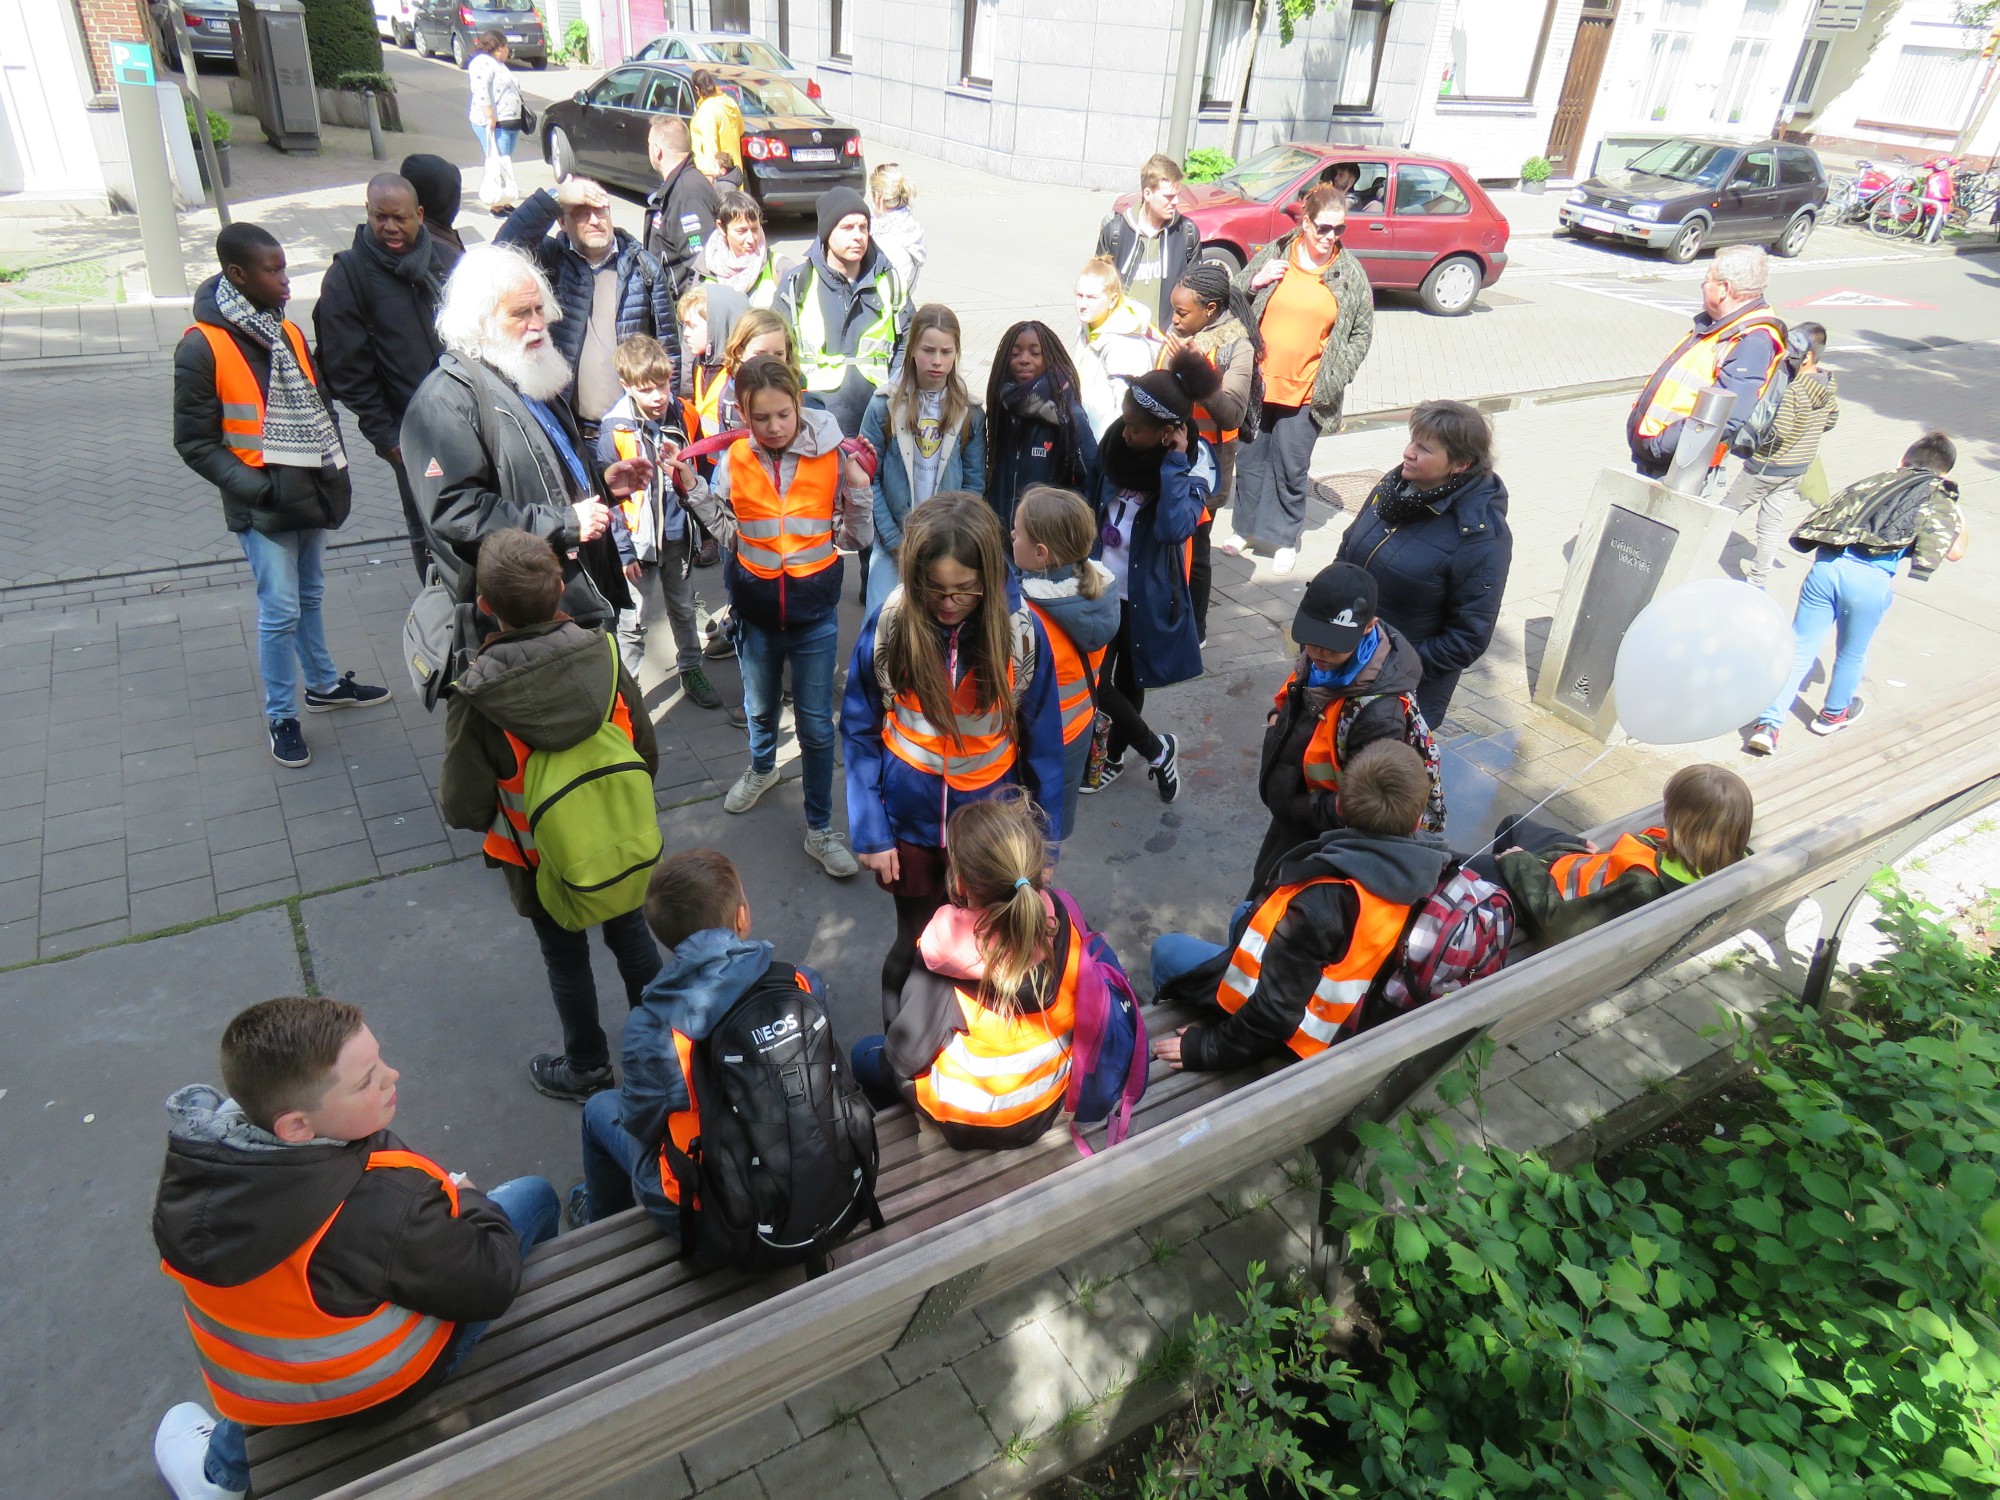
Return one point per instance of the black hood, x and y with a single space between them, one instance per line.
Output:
439 186
1403 870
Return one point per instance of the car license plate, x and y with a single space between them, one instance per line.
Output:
1598 222
815 154
513 36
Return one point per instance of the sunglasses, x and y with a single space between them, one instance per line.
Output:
1327 231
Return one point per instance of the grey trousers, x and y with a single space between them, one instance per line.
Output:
1771 494
660 586
1271 477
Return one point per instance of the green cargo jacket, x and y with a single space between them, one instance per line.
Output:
1353 330
1913 510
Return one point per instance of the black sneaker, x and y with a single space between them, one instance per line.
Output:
576 1206
346 693
552 1074
1826 723
695 683
288 744
1168 772
1107 773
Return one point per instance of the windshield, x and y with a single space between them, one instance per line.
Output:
1268 173
748 53
1685 161
774 96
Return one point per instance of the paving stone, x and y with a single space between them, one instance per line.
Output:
849 1391
76 939
323 830
1107 1262
343 864
20 943
1021 1384
27 789
418 858
405 793
303 798
84 905
1190 1283
745 1486
171 905
958 1338
1184 1223
243 793
380 765
99 757
1264 1236
64 797
405 830
166 794
243 898
929 1435
155 765
1543 1041
1676 1045
1517 1122
241 869
21 900
1008 1311
244 830
1251 1190
838 1464
74 867
728 1452
1108 1341
158 732
167 865
75 830
1742 990
1570 1093
1699 1008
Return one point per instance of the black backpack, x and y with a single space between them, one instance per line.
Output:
784 1167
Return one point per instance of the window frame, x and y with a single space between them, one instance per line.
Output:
1215 100
1746 161
642 77
967 39
1397 170
1534 69
836 26
1382 10
1812 173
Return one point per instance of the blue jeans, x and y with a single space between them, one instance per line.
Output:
612 1157
530 1205
884 573
493 138
870 1059
290 634
1846 596
1178 953
811 649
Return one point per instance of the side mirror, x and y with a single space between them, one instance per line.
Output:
578 97
1295 210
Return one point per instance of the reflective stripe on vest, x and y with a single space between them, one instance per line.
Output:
1073 677
1322 762
1586 874
1694 367
999 1071
790 533
511 837
237 389
272 1357
1378 928
625 442
825 371
979 754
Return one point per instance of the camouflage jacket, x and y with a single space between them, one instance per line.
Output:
1913 510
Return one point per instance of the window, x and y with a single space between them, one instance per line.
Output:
1797 168
1757 17
1496 49
1370 193
619 90
1684 161
667 96
1739 74
1228 42
729 15
1663 72
1805 76
675 50
1267 174
836 32
980 19
1930 86
1754 171
1429 190
1359 34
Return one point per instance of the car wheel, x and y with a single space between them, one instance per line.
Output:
1793 240
538 63
1451 288
1223 256
560 154
459 54
1687 244
403 36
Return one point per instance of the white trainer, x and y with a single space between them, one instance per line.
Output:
180 1449
1284 560
830 849
751 785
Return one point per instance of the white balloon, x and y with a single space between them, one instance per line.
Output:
1701 660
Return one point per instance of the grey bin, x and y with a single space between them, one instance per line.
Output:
271 53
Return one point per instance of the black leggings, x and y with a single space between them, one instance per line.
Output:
1119 694
1200 572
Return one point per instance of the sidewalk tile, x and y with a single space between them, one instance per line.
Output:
162 794
65 797
405 830
1003 1314
736 1448
1516 1121
171 905
416 858
401 795
249 792
1108 1342
838 1464
1021 1384
239 870
929 1434
21 900
343 864
84 905
79 938
958 1338
93 825
167 865
102 757
1188 1283
849 1391
322 830
303 798
1569 1092
229 832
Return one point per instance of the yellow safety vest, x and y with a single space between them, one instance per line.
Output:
827 372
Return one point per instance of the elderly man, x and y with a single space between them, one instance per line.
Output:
607 285
1736 343
374 322
491 442
680 216
848 309
1152 242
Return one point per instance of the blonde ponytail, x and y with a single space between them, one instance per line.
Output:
998 852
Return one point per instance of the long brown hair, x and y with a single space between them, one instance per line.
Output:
998 851
903 394
1708 817
960 526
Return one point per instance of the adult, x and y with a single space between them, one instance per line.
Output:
738 255
1152 243
440 190
376 326
495 113
607 285
1736 343
251 418
1316 314
848 309
680 214
493 444
715 133
1434 537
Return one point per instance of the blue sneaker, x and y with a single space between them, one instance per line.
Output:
288 744
346 693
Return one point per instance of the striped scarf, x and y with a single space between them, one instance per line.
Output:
298 429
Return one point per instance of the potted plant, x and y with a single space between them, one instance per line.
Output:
218 132
1535 174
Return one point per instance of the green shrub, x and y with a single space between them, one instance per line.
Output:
1536 169
341 37
575 49
1206 163
1802 1305
219 128
354 83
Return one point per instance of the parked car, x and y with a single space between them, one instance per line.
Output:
1689 192
196 29
449 26
733 49
396 21
793 149
1416 223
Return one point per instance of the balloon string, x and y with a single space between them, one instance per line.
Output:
1565 784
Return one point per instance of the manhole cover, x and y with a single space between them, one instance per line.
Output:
1501 299
1345 492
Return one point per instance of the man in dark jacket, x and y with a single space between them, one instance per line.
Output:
1152 242
251 418
298 1167
680 214
375 325
608 286
848 310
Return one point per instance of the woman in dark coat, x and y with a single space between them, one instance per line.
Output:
1434 537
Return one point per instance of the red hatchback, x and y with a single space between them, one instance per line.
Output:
1418 223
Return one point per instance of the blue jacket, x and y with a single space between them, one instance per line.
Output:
1165 646
961 466
645 292
704 977
888 799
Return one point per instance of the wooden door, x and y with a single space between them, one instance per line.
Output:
1586 62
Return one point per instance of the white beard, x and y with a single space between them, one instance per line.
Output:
540 373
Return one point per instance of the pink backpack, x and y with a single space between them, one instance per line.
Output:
1460 933
1108 1054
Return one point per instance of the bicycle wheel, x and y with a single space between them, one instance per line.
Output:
1896 216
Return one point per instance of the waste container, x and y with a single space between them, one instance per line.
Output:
272 53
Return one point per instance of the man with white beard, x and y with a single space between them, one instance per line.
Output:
490 442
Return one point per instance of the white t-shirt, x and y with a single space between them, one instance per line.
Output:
929 444
1118 555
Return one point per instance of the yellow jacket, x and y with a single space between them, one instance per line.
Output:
717 131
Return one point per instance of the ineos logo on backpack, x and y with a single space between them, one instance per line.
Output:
766 1037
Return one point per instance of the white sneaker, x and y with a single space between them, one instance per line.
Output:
1284 560
751 785
180 1449
1231 543
830 849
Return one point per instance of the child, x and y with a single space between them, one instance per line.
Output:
1563 887
1310 942
1037 431
1771 476
737 255
1074 598
655 542
696 908
784 502
950 699
1355 682
978 1037
1862 536
894 224
757 332
289 1214
541 682
931 435
1115 341
1153 480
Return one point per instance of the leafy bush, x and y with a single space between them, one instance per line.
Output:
354 83
219 128
340 34
1206 163
575 49
1800 1306
1536 169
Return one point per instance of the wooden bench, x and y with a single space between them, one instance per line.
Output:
618 1354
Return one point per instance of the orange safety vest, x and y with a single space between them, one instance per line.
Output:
999 1071
1322 765
511 839
789 534
273 1357
1378 929
237 389
979 754
703 409
625 442
1670 395
1076 677
1586 874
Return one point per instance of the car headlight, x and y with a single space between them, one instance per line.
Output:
1645 210
1577 195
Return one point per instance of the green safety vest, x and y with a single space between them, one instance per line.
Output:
825 372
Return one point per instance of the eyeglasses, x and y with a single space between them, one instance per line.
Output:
1328 231
962 596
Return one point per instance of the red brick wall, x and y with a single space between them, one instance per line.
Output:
106 21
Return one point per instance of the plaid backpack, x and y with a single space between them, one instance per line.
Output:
1459 934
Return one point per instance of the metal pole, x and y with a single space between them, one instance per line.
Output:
209 155
1183 102
376 147
153 188
1699 434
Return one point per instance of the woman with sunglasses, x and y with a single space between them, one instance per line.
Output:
951 698
1314 309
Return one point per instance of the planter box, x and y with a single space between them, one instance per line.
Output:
221 160
336 106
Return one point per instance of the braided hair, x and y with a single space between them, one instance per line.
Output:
1212 285
1063 388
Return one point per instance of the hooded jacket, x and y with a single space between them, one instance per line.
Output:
961 464
273 498
547 684
921 1021
645 297
440 190
1089 623
1121 238
680 219
1109 357
1027 455
376 326
1547 916
848 309
1165 645
1912 510
234 1201
1353 329
1313 933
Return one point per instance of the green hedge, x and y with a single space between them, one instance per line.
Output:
341 34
